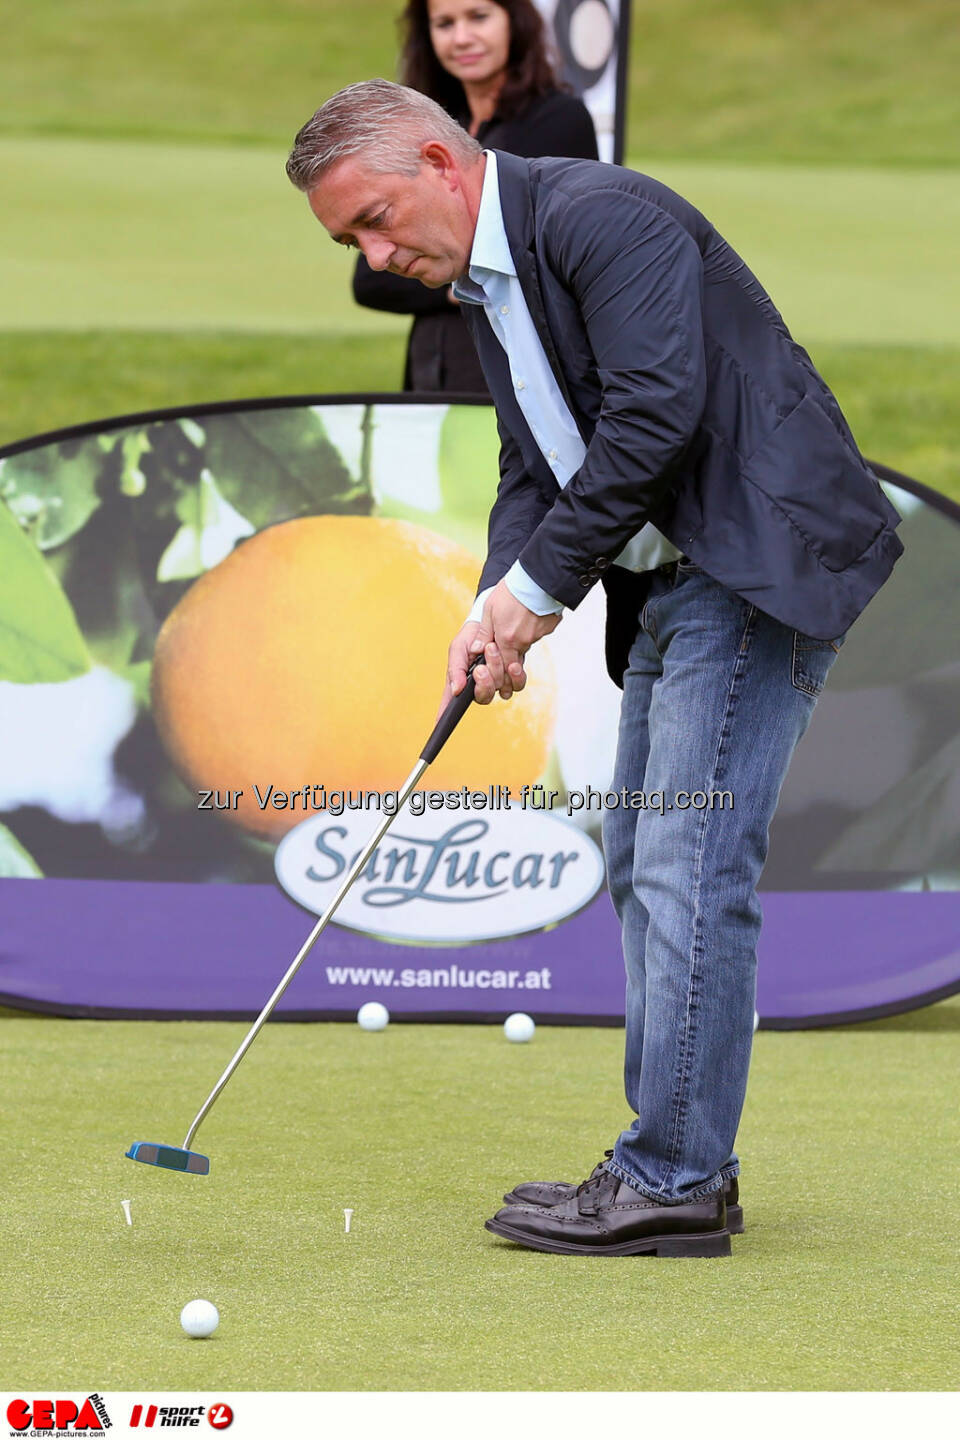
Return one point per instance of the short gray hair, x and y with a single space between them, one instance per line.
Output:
385 123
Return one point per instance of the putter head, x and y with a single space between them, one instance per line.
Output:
168 1157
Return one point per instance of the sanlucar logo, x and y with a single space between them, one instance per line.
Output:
440 879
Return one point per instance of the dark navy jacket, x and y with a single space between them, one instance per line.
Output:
699 411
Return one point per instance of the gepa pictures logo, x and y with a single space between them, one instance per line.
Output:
57 1417
435 878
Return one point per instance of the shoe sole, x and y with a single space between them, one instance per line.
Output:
734 1212
708 1244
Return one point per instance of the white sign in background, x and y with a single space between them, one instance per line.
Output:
448 876
586 37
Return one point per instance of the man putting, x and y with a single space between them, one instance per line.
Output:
661 432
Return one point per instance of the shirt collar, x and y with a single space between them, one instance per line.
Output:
490 253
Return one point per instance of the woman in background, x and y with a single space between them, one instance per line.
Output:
486 63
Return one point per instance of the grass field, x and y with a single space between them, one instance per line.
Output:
869 81
172 238
844 1280
170 290
899 399
153 254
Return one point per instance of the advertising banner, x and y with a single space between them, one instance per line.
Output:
223 639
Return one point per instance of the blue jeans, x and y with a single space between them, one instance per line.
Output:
715 698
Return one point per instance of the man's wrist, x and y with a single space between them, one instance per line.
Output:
476 613
529 593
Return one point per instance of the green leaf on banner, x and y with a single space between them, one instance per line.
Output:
280 465
40 640
139 677
134 446
469 470
211 528
52 491
171 460
100 571
15 862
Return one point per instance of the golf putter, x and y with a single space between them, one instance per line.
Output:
170 1157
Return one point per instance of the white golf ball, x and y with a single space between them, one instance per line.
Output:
519 1028
199 1318
373 1016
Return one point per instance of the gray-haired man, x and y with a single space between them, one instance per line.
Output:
661 432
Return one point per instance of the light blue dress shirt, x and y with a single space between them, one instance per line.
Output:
493 284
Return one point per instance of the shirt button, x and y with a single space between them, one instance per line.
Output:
504 309
553 455
521 385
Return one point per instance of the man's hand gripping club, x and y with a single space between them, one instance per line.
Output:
505 634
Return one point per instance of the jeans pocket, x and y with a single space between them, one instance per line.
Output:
812 660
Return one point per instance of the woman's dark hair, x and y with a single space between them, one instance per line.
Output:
530 71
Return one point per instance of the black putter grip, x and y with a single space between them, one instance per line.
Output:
452 716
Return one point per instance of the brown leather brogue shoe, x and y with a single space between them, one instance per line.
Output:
553 1192
606 1217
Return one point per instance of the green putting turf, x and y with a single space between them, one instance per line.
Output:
846 1277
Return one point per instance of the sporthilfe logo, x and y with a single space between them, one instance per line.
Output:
219 1416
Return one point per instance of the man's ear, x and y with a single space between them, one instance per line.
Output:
440 159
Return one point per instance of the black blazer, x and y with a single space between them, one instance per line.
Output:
553 124
699 411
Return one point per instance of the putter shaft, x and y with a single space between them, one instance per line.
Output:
318 929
